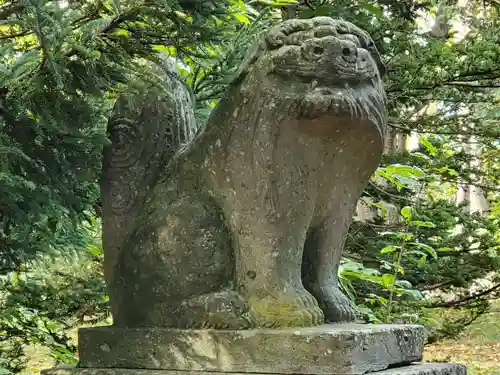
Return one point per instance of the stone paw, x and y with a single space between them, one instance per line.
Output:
284 309
220 310
335 305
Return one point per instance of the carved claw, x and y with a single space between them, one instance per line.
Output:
221 310
285 310
335 305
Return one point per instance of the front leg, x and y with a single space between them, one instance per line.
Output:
339 190
268 257
322 255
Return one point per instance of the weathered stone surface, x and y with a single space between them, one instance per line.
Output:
146 129
328 349
414 369
427 369
244 227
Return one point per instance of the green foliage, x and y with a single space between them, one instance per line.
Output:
56 293
61 67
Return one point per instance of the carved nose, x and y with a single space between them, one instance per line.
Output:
318 50
346 51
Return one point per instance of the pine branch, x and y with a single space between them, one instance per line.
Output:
456 81
131 15
457 253
10 8
16 35
409 130
463 301
484 187
397 197
436 286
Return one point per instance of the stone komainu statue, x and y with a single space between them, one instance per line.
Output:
243 225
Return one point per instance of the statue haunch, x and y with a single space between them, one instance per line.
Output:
244 226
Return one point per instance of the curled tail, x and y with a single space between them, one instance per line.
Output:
146 129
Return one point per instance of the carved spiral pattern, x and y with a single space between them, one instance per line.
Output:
123 198
126 150
127 143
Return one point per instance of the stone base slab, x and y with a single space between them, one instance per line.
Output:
414 369
324 350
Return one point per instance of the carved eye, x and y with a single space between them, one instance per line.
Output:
275 40
313 52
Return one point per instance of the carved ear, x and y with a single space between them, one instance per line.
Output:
376 56
368 43
252 56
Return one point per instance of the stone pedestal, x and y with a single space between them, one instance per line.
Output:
327 349
336 349
414 369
